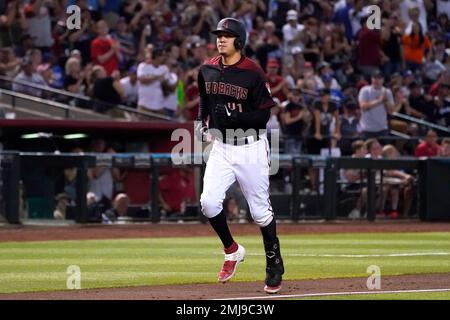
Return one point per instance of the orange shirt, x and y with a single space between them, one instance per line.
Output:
413 51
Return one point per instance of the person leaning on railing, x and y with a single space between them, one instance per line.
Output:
28 75
445 147
429 147
107 90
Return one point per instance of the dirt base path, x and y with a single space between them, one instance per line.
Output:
241 290
81 232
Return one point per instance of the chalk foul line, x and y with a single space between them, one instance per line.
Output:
324 294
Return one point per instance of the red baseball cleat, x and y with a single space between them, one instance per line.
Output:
231 262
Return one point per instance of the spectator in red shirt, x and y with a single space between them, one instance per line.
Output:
434 89
369 50
277 83
429 147
105 51
192 97
176 189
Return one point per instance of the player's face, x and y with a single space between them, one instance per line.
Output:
225 43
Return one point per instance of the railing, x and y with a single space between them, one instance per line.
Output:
11 162
65 96
421 122
60 109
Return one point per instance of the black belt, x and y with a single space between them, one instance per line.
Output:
236 141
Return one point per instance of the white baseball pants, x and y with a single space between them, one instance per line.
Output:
249 165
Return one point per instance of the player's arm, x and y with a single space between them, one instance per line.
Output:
201 129
262 99
255 119
203 107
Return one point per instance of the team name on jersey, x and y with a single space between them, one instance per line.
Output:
237 92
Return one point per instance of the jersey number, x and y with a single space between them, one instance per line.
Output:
233 105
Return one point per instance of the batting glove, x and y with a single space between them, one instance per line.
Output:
201 131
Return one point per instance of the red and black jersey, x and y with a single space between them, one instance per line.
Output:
242 86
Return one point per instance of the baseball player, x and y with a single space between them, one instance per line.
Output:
235 102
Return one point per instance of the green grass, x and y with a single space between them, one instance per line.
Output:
42 266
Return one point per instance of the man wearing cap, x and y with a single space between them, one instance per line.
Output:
349 126
75 53
277 83
325 73
298 57
421 106
375 102
29 75
292 31
197 46
130 87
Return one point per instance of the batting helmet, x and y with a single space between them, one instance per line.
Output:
236 28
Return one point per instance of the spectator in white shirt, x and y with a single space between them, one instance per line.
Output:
376 102
39 23
414 9
170 92
130 87
28 74
443 7
292 33
150 74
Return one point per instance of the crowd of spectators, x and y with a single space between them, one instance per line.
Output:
334 78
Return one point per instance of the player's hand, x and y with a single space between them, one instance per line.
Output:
225 114
201 131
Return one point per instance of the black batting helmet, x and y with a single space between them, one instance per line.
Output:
236 28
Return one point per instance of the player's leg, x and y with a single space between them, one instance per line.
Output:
254 181
217 179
